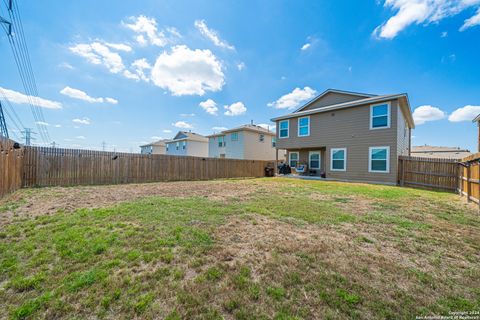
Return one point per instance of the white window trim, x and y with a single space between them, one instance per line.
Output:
290 157
370 159
344 160
389 115
298 126
280 129
319 159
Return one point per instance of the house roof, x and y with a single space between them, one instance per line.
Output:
187 135
156 143
440 152
477 119
245 127
321 95
404 105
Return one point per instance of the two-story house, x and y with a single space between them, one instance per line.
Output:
157 147
245 142
348 135
187 144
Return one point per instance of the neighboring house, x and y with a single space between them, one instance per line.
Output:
157 147
348 135
477 121
249 141
188 144
439 152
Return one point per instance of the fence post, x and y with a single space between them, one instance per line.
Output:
469 191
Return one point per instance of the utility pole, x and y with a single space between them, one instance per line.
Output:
27 133
3 124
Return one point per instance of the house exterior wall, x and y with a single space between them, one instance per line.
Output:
348 128
197 148
332 98
403 135
257 150
172 150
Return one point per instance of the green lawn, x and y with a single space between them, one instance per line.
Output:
281 249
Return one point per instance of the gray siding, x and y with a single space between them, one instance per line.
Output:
348 128
332 98
403 135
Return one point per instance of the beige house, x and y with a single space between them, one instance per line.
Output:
440 152
157 147
348 135
187 144
245 142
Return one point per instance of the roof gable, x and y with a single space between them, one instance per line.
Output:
331 97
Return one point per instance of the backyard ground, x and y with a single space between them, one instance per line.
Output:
237 249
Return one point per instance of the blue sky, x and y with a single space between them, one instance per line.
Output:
128 72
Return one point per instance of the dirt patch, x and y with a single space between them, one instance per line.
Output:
29 203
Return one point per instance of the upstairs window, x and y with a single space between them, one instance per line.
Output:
293 159
284 129
274 142
177 145
304 127
380 116
338 159
166 147
184 145
379 159
261 137
234 136
221 141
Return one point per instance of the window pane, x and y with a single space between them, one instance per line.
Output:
379 165
314 164
294 156
380 110
284 133
303 121
339 154
378 122
338 164
284 125
293 163
314 156
379 154
304 131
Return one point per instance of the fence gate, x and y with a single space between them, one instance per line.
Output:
437 174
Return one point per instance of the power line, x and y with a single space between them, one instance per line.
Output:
16 38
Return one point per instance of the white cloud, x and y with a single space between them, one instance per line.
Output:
82 95
219 128
241 66
156 138
148 33
140 66
293 99
66 65
305 46
212 35
424 114
130 75
167 131
80 137
42 123
188 72
20 98
119 46
466 113
111 100
422 12
182 125
471 22
444 34
99 54
58 126
187 114
235 109
84 120
209 106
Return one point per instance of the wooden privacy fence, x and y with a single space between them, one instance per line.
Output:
438 174
11 166
469 179
65 167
